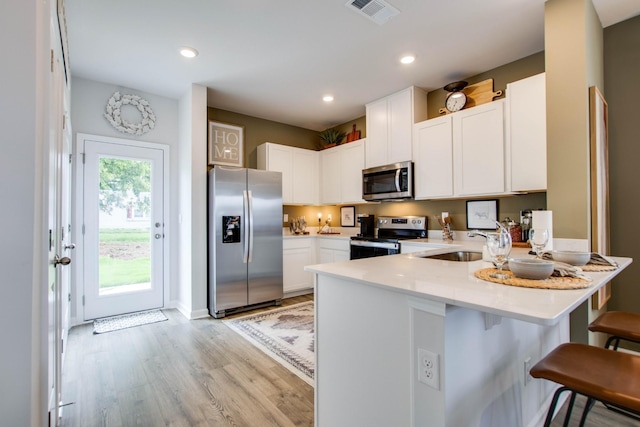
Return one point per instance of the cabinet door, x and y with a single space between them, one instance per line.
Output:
295 256
433 158
478 144
305 182
352 163
400 113
528 133
377 133
330 165
280 159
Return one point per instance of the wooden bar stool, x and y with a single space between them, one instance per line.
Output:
619 325
599 374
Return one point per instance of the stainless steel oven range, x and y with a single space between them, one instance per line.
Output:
391 231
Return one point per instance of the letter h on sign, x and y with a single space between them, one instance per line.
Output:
226 144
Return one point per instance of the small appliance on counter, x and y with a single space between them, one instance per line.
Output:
391 231
367 226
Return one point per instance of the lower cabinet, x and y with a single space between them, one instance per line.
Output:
297 253
332 250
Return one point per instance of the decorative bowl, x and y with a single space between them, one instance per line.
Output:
571 257
529 268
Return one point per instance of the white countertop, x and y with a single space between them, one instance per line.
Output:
454 283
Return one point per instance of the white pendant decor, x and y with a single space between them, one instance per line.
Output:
116 101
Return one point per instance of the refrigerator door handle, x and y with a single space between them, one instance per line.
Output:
245 250
250 225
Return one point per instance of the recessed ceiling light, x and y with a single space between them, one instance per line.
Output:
408 59
327 98
188 52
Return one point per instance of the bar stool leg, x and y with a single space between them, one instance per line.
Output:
554 403
587 407
567 416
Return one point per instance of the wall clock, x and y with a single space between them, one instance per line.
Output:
456 99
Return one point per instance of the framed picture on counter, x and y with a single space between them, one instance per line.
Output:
348 216
226 144
482 214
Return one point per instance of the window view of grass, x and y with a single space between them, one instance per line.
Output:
124 257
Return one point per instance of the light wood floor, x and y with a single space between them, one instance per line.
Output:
197 373
179 373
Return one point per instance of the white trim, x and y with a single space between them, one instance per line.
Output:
78 267
428 306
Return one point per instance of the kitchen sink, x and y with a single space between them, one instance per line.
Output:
460 256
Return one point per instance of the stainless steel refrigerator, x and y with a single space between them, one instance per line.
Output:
245 239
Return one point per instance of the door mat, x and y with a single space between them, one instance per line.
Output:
285 334
115 323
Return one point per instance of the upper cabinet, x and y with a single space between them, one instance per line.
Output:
300 171
390 123
461 154
478 150
341 172
527 133
433 158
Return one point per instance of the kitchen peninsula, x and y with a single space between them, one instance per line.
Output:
382 322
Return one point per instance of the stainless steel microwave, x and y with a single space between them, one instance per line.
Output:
388 182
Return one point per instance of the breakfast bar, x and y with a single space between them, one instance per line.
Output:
412 341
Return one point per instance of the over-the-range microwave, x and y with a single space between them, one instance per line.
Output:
390 182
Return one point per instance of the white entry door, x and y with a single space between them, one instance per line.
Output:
123 237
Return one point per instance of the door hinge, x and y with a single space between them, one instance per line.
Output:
52 60
64 121
61 346
82 299
82 228
70 157
83 158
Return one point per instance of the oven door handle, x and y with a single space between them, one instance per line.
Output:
382 245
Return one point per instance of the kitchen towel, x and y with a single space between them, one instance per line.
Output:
544 219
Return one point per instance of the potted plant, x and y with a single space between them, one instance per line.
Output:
331 137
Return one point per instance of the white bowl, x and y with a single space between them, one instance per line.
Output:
571 257
529 268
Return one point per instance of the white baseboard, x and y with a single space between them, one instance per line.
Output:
187 312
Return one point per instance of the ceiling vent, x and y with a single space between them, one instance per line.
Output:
378 11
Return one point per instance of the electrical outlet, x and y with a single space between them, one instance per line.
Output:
428 368
527 368
285 218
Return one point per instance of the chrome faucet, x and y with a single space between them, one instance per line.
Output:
474 233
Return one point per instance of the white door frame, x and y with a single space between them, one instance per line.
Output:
78 266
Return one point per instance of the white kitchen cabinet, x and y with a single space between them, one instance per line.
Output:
390 126
297 252
342 173
332 250
433 158
478 150
300 171
527 134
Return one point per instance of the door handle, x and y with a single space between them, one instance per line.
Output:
61 261
70 246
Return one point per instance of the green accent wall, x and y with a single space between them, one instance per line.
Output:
621 73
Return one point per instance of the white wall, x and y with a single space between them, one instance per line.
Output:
192 236
88 101
24 42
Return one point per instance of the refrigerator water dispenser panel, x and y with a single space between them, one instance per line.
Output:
231 229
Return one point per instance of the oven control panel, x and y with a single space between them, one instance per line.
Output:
402 222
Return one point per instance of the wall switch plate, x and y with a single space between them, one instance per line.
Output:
428 368
445 214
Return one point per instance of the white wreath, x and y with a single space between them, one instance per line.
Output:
116 101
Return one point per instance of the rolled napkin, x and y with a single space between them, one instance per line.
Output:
597 259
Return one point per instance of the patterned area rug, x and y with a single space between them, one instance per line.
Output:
115 323
286 334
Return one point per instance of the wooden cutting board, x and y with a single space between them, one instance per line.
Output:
477 94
